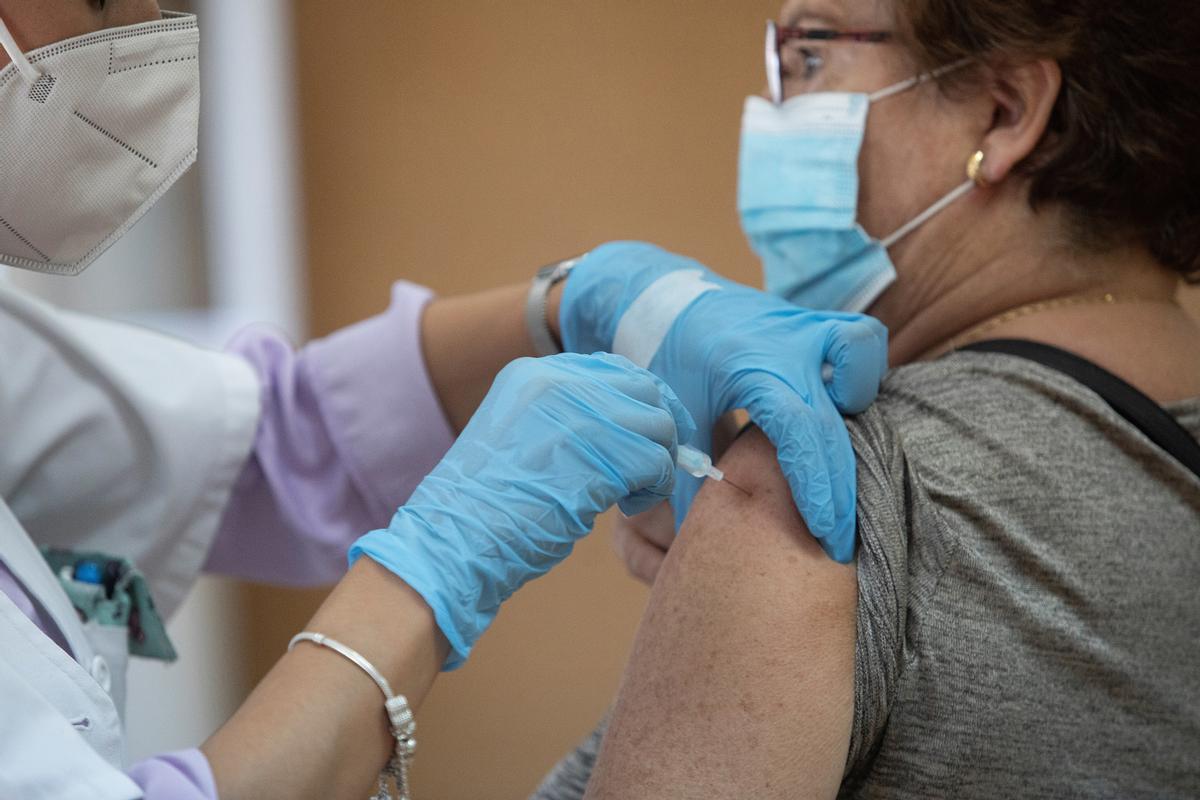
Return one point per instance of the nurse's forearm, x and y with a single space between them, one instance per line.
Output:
315 727
467 340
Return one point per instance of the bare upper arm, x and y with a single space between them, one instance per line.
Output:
742 676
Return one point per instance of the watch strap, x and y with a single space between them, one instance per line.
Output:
536 302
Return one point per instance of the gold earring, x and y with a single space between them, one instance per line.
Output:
975 170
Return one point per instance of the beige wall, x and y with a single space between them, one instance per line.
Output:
461 145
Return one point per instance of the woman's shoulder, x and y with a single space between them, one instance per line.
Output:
983 414
996 384
977 411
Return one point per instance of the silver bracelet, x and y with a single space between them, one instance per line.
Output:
536 321
401 721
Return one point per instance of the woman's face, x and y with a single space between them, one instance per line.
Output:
37 23
917 142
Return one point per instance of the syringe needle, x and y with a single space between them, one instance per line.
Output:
734 485
699 465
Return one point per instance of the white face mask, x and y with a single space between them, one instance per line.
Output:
93 131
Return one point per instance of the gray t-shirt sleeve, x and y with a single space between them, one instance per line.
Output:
883 586
904 546
1026 571
569 779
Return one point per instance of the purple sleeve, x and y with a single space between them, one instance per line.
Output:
350 425
13 589
177 776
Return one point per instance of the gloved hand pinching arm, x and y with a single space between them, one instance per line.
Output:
722 346
556 442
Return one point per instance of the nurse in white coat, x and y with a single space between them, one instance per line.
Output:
130 462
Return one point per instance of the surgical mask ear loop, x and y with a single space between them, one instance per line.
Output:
962 191
912 83
975 180
954 196
28 71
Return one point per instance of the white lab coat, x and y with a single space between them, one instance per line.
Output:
116 440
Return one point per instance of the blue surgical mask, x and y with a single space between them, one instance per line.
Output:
798 199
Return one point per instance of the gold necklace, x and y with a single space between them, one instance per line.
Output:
984 328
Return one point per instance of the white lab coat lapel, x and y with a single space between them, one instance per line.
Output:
44 756
67 686
116 440
25 562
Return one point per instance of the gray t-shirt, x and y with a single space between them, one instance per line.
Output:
1029 613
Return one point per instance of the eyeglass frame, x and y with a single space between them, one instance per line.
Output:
778 36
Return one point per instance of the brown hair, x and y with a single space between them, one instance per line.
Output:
1122 150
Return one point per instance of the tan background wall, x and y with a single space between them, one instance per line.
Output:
460 145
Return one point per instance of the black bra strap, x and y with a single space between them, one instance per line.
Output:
1138 409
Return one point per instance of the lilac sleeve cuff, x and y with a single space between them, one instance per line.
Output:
374 389
350 425
177 776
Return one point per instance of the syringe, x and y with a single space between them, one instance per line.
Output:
700 465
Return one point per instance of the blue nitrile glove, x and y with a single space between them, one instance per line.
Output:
556 442
722 346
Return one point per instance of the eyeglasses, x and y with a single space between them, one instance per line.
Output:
785 60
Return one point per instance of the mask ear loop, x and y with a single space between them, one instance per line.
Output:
28 71
912 83
959 192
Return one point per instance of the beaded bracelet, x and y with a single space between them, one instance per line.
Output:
401 721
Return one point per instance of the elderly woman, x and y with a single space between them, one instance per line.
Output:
1021 620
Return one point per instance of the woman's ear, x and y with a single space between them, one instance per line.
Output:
1024 97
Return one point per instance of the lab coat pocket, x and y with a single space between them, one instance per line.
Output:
109 664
